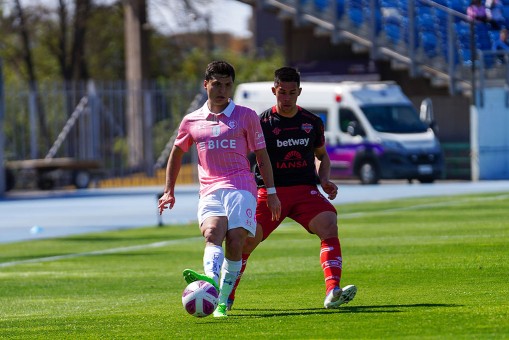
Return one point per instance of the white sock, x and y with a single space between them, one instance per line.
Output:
213 257
231 270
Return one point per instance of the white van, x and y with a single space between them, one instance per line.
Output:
373 131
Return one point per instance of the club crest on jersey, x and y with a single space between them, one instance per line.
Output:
307 127
276 131
232 124
216 131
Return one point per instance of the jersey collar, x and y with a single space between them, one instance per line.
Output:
227 111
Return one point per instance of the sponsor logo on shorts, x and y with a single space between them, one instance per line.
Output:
249 213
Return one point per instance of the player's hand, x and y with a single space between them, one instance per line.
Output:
330 189
166 199
274 206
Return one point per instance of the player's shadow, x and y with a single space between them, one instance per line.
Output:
266 313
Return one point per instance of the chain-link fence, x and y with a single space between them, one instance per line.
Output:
89 121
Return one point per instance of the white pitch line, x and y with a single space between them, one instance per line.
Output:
99 252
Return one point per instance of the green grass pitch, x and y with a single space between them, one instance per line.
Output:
425 268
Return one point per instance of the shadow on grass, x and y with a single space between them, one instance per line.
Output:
267 313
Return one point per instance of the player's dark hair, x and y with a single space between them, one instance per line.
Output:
286 74
221 69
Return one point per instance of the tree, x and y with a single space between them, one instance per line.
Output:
27 57
135 19
69 48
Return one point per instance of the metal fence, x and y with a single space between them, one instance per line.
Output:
87 121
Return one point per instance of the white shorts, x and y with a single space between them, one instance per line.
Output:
239 206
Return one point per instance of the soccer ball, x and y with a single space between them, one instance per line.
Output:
200 298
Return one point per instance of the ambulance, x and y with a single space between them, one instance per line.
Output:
372 130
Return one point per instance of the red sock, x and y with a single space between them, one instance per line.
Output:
244 263
330 258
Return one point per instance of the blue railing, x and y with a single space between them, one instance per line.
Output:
433 37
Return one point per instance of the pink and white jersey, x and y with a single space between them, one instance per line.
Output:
223 142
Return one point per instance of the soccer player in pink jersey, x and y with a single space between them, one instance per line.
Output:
295 139
224 134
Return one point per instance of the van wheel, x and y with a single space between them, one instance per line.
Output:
426 180
368 173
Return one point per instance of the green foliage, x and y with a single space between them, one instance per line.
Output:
120 147
169 57
425 268
105 53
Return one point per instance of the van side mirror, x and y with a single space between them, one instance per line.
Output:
426 114
354 129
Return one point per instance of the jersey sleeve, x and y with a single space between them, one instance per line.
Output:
184 139
255 139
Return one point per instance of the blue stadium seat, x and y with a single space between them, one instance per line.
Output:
378 17
465 56
356 16
340 8
457 5
393 33
429 43
494 35
321 5
506 15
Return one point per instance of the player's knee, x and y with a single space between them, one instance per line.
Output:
251 243
326 230
213 236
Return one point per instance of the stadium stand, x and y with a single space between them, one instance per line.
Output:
435 34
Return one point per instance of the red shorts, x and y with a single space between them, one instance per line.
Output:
301 203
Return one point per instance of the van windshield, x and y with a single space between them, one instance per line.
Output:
394 118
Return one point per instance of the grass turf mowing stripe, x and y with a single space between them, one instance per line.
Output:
423 206
100 252
165 243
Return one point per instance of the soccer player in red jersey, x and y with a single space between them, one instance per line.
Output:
224 134
294 138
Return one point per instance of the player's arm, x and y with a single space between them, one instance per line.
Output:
172 171
330 188
264 165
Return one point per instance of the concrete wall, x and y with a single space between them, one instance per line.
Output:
490 136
